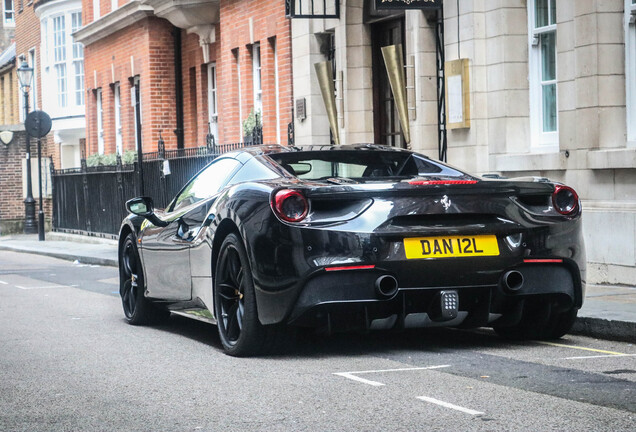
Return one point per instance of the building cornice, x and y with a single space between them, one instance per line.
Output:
112 22
186 13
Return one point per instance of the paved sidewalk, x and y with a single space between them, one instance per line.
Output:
609 312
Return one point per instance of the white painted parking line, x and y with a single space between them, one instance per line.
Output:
449 405
352 375
4 283
598 356
356 378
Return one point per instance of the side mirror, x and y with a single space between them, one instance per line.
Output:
144 207
141 206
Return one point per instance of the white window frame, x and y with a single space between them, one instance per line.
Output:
114 4
213 115
119 142
630 71
541 141
257 79
100 121
8 15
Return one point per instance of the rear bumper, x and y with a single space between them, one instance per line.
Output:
350 299
292 285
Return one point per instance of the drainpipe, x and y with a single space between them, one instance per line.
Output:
178 86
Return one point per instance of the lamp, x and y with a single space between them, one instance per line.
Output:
25 76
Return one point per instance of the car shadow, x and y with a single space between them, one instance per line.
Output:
301 343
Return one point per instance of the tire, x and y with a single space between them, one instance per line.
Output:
240 331
138 310
541 320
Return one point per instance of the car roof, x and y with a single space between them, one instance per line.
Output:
277 148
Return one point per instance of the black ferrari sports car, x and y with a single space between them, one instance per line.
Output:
354 237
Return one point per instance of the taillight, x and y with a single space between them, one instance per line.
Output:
290 205
441 182
565 200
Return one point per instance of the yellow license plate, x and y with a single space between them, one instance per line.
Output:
451 246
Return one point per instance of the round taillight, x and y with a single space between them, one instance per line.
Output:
565 200
290 205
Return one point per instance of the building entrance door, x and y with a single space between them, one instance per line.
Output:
386 124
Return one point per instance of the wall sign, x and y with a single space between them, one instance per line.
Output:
408 4
457 94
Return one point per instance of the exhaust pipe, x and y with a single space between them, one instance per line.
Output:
386 286
512 280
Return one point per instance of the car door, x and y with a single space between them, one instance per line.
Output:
166 250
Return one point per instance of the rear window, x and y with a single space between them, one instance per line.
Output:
314 165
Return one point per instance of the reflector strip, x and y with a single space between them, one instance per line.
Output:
532 261
441 182
360 267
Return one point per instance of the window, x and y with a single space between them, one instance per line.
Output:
9 14
59 58
135 101
630 69
277 90
237 58
543 82
100 121
256 77
62 68
118 136
78 60
113 5
213 117
95 10
21 115
207 183
33 93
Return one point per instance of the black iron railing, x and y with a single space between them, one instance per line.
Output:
90 200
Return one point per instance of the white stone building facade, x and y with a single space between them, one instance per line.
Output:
552 93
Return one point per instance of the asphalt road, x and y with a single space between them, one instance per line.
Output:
69 362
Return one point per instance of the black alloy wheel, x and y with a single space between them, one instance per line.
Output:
137 309
240 331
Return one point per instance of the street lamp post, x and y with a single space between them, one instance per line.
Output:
25 76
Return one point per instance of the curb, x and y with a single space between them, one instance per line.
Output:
108 262
605 329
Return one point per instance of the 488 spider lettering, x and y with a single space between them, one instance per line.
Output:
354 237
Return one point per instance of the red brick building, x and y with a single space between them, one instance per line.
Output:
13 155
196 65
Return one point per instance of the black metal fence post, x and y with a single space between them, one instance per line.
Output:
53 191
120 180
87 201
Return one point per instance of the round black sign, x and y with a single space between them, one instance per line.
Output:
38 124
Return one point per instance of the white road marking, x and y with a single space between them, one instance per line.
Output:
4 283
362 380
112 281
598 356
449 405
45 287
352 375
